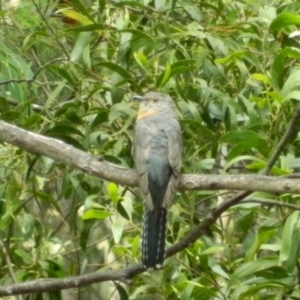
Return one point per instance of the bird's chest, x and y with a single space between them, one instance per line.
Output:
151 134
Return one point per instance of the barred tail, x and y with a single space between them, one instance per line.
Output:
154 237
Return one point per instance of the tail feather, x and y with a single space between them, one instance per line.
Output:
154 237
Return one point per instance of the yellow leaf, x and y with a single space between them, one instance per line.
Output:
72 14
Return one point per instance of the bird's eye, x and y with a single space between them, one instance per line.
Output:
154 100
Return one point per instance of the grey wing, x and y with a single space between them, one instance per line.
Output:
174 135
141 143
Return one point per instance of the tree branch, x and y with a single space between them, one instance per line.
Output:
284 140
88 163
52 284
78 159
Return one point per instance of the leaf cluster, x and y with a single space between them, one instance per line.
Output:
69 70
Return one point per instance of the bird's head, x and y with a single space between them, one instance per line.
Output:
153 103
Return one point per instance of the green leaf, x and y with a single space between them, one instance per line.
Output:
249 291
251 268
10 115
174 69
237 136
135 246
291 87
258 240
257 166
101 117
165 76
142 61
132 4
95 214
291 263
194 12
117 229
216 267
80 7
287 236
284 20
63 130
54 95
139 35
261 77
277 71
121 291
212 250
204 133
113 192
205 164
82 41
72 14
86 58
115 68
85 28
293 95
243 158
24 256
127 205
53 269
245 140
232 57
63 73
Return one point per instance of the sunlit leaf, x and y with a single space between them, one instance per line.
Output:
95 214
117 229
81 43
72 14
230 58
163 79
113 192
284 20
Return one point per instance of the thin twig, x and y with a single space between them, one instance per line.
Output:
284 140
50 28
35 107
34 75
9 266
271 202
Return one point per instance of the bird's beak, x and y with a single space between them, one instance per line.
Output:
137 98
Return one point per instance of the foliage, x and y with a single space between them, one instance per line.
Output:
234 73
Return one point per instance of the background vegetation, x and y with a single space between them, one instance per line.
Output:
232 68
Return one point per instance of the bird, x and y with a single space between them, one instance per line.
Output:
157 151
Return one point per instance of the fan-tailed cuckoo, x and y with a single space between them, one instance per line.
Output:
157 149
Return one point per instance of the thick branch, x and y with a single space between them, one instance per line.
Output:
88 163
75 158
51 284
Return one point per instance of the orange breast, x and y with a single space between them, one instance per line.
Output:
146 113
